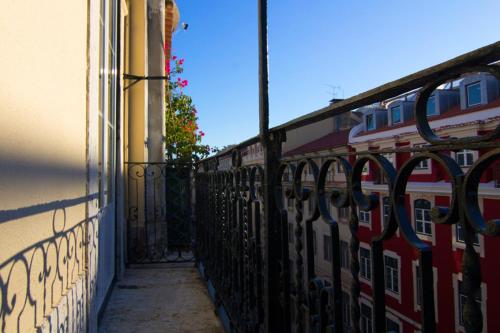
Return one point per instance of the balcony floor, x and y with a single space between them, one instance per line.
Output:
160 298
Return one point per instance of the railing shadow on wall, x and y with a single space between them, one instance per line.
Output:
240 253
35 281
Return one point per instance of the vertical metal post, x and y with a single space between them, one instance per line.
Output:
271 148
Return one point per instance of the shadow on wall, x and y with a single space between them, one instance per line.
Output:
47 279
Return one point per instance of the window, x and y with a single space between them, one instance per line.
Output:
107 102
386 208
462 299
423 217
346 311
365 263
344 212
391 274
459 234
344 254
396 114
473 94
464 158
290 233
370 123
364 216
366 318
315 245
423 165
431 106
327 248
392 326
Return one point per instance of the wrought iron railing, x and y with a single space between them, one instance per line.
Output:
244 250
159 214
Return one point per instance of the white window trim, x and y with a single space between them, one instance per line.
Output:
345 269
431 199
467 94
382 195
365 224
401 120
458 327
369 304
362 278
427 171
475 157
394 312
416 306
395 319
456 244
391 293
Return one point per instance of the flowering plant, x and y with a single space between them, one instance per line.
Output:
183 137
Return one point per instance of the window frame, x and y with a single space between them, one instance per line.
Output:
399 109
392 282
365 264
370 116
467 98
366 322
425 164
364 213
423 221
434 113
465 153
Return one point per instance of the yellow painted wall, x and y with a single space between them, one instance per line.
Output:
43 121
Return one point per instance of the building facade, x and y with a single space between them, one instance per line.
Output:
64 141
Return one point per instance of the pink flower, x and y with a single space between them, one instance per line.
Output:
174 57
202 133
180 62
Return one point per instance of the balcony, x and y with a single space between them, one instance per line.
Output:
203 241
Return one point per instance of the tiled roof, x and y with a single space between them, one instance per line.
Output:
329 141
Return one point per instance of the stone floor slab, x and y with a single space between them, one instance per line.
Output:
161 298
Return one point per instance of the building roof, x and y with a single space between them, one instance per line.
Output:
329 141
451 112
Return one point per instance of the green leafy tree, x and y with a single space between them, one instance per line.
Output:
183 137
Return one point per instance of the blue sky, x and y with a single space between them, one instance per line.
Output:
317 50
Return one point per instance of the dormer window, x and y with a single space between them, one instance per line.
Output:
431 106
396 114
370 123
473 94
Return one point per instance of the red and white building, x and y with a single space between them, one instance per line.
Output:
464 108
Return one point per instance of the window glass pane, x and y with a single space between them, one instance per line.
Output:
392 326
366 318
396 114
431 106
473 94
386 207
370 124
